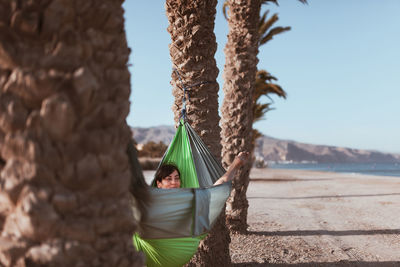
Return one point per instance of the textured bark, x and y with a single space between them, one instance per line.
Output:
64 89
239 79
191 26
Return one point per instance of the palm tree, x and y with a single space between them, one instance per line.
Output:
64 89
192 49
243 88
239 75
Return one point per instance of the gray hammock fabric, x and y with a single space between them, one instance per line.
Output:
183 212
175 220
186 211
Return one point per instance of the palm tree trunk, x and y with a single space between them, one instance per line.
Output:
191 26
64 88
239 75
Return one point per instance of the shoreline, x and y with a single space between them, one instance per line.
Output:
269 173
374 169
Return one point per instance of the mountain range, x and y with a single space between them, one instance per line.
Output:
276 150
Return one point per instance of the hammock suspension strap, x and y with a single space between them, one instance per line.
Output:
186 93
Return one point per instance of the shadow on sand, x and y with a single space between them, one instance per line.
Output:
325 264
336 196
326 232
266 180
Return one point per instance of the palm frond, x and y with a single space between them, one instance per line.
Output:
256 134
268 89
264 75
265 25
224 9
276 2
259 111
272 1
265 87
272 33
264 28
262 21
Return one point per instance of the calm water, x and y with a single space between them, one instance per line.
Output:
385 169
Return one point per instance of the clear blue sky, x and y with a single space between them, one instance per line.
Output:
340 65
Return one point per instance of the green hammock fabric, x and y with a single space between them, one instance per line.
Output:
167 252
177 219
180 154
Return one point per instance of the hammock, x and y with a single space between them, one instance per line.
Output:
177 219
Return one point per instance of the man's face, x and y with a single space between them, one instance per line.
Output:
171 181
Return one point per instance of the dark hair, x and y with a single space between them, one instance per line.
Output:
164 171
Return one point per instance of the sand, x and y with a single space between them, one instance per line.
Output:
305 218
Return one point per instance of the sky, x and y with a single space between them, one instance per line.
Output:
339 64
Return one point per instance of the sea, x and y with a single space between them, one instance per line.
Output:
380 169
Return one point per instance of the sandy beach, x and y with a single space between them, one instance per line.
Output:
306 218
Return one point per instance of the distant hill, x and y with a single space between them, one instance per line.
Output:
156 134
272 149
277 150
